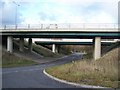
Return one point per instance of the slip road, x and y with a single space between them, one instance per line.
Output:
33 76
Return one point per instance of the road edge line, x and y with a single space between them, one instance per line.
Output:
71 83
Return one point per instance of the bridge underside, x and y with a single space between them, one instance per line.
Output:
70 43
82 35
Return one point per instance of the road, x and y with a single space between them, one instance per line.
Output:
33 77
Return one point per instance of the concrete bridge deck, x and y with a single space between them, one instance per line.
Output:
79 31
61 31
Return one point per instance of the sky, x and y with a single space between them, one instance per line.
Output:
58 11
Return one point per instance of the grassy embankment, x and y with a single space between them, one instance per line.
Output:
102 72
10 60
41 50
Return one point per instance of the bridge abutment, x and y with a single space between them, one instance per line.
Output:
21 47
97 48
30 44
10 44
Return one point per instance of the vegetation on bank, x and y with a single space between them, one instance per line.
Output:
10 60
102 72
41 50
69 49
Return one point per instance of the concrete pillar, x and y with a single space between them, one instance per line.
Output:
10 44
97 48
57 49
53 48
93 48
30 44
21 47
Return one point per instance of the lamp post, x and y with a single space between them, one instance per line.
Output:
16 12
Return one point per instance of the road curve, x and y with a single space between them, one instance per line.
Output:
33 77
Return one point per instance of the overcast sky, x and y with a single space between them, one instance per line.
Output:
58 11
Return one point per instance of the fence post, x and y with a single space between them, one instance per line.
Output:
5 27
16 27
41 26
83 25
28 26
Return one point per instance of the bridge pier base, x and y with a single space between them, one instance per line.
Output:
21 47
97 48
30 44
10 44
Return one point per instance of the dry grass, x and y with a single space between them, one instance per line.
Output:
41 50
10 60
102 72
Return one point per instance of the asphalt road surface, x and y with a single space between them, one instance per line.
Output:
33 77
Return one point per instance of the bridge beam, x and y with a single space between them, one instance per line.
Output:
10 44
21 47
30 44
97 48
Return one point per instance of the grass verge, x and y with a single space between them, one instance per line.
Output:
10 60
102 72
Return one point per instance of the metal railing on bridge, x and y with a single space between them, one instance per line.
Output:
64 26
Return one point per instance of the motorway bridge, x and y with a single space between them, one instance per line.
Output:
72 31
55 43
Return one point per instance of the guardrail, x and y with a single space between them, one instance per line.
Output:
60 26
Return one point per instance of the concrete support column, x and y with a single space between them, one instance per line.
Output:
53 48
21 47
93 48
30 44
10 44
56 49
97 48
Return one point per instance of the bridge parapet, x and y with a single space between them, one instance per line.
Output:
66 26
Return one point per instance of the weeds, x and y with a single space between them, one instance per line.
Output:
102 72
10 60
